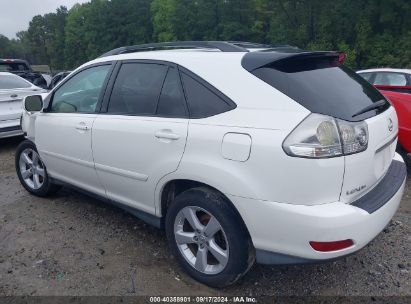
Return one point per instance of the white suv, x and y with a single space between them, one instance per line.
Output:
241 152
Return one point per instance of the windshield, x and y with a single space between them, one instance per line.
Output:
12 82
324 86
13 67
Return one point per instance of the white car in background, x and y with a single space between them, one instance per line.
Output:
13 89
281 156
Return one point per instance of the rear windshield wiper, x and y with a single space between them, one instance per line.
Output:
374 106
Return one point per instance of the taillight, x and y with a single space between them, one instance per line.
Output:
331 246
321 136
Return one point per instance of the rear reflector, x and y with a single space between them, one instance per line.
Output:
331 246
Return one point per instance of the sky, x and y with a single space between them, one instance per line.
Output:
15 15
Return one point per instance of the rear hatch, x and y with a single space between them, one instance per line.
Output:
319 82
364 170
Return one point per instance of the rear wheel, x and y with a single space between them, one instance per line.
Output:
31 171
208 238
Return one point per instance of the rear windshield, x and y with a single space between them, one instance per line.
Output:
12 82
323 85
13 67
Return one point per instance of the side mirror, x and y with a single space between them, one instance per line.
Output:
33 103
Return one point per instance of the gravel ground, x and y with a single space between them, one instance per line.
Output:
71 244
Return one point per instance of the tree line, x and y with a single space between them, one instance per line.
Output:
372 33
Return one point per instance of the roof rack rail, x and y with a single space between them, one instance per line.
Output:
256 45
250 45
220 45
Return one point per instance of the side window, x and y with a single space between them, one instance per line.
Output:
80 93
366 76
137 89
171 102
203 102
393 79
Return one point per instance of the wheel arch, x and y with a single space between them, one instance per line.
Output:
173 187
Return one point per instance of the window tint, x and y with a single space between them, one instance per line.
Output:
13 82
322 85
137 89
171 103
366 76
394 79
81 92
202 102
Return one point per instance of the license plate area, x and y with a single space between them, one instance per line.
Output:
10 109
384 156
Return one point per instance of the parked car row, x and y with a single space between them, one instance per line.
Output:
242 153
23 69
18 80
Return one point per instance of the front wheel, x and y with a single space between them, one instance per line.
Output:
31 171
208 238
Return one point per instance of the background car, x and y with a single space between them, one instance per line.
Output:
402 104
57 78
395 84
397 80
23 69
13 89
47 77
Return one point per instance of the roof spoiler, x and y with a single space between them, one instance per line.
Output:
255 60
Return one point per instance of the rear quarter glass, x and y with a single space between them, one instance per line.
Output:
323 86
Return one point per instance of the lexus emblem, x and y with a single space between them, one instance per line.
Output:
390 125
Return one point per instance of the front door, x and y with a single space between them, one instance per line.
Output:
63 130
142 135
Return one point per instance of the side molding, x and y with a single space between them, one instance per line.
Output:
144 216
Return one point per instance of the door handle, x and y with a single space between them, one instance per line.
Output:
167 134
82 127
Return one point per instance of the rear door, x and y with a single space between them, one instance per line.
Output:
140 135
63 130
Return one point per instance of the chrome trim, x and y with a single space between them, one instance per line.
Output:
121 172
387 144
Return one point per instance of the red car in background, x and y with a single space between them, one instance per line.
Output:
402 104
395 84
397 80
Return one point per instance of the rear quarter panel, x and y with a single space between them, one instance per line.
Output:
268 174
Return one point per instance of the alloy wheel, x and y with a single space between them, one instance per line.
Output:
32 169
201 240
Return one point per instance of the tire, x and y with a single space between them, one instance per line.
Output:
225 236
32 172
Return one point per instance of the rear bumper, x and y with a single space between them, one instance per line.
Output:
281 232
10 128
